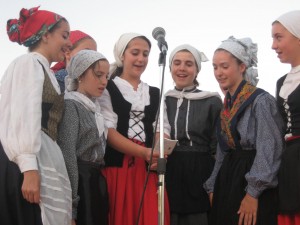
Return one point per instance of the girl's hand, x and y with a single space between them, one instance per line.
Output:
248 210
31 186
147 155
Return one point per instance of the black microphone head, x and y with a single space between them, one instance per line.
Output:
158 32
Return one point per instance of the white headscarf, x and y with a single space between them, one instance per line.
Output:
246 51
291 21
78 65
199 56
119 49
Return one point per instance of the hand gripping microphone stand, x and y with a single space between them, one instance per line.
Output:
158 34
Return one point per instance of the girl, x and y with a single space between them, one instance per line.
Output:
130 107
192 116
82 137
31 108
286 43
242 185
80 41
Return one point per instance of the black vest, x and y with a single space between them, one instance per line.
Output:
122 108
293 102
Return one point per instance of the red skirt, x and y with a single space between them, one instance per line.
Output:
289 219
125 187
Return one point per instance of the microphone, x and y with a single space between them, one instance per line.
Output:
159 34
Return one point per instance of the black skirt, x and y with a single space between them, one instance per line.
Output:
92 190
289 179
186 172
229 191
15 210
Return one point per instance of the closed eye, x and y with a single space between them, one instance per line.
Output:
98 74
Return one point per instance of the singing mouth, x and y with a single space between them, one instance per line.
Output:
181 75
221 80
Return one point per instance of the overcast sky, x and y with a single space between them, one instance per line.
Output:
203 24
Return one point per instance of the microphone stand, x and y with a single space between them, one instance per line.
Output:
161 164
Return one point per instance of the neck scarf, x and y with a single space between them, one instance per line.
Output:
190 94
92 106
233 107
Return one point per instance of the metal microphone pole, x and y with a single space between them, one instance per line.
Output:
161 164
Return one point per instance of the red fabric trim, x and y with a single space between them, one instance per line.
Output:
289 219
292 138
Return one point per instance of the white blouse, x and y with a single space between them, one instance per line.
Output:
20 108
291 82
137 98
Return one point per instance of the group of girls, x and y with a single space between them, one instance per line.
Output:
76 138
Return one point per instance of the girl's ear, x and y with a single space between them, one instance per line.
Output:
243 67
45 37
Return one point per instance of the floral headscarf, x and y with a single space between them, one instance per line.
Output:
30 27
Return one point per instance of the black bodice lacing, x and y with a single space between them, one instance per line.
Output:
137 126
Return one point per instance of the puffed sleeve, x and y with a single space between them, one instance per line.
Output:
110 117
20 117
67 141
269 145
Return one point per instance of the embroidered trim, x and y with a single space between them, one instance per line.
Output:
227 113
